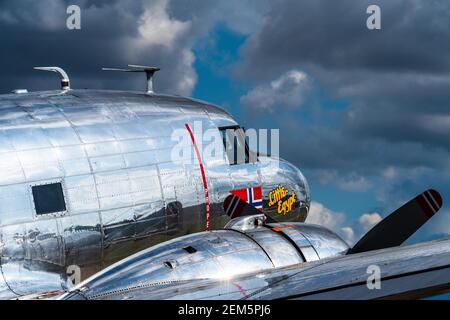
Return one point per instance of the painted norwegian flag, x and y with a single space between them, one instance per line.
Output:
239 200
252 196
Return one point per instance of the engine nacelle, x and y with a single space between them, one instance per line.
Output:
248 245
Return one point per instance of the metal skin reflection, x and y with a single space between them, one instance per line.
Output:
111 150
223 256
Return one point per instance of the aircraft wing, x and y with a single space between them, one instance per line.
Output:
415 271
406 272
377 267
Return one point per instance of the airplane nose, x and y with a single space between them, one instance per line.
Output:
286 191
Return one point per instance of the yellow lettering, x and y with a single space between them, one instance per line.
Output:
277 195
271 199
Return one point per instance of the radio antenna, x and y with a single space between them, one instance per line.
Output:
149 72
65 82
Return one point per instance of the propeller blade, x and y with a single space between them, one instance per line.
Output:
401 224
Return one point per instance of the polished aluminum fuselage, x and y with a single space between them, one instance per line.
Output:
222 255
111 151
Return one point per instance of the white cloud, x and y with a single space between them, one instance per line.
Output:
354 183
368 220
325 177
348 234
319 214
287 91
351 182
338 222
172 28
160 33
164 41
335 221
389 173
158 28
188 78
243 16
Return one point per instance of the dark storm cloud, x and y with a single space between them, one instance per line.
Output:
384 125
396 80
113 33
333 35
35 35
391 135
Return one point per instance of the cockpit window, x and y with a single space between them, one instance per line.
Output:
235 144
48 198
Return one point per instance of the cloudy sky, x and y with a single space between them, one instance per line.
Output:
364 113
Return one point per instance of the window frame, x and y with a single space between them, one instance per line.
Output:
52 214
248 152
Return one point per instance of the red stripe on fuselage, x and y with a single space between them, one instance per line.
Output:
202 170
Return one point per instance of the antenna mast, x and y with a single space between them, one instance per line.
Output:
149 72
65 81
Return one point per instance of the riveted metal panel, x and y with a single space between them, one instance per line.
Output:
140 158
81 194
82 239
14 239
60 134
45 112
44 242
27 137
118 224
216 255
15 204
40 164
302 243
12 171
112 153
326 243
281 252
73 160
113 189
144 184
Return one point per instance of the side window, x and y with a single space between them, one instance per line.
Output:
235 144
48 198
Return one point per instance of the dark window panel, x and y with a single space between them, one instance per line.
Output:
48 198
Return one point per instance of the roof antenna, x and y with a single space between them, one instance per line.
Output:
149 71
65 82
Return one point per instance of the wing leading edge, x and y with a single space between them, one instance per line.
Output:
377 269
416 271
405 272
